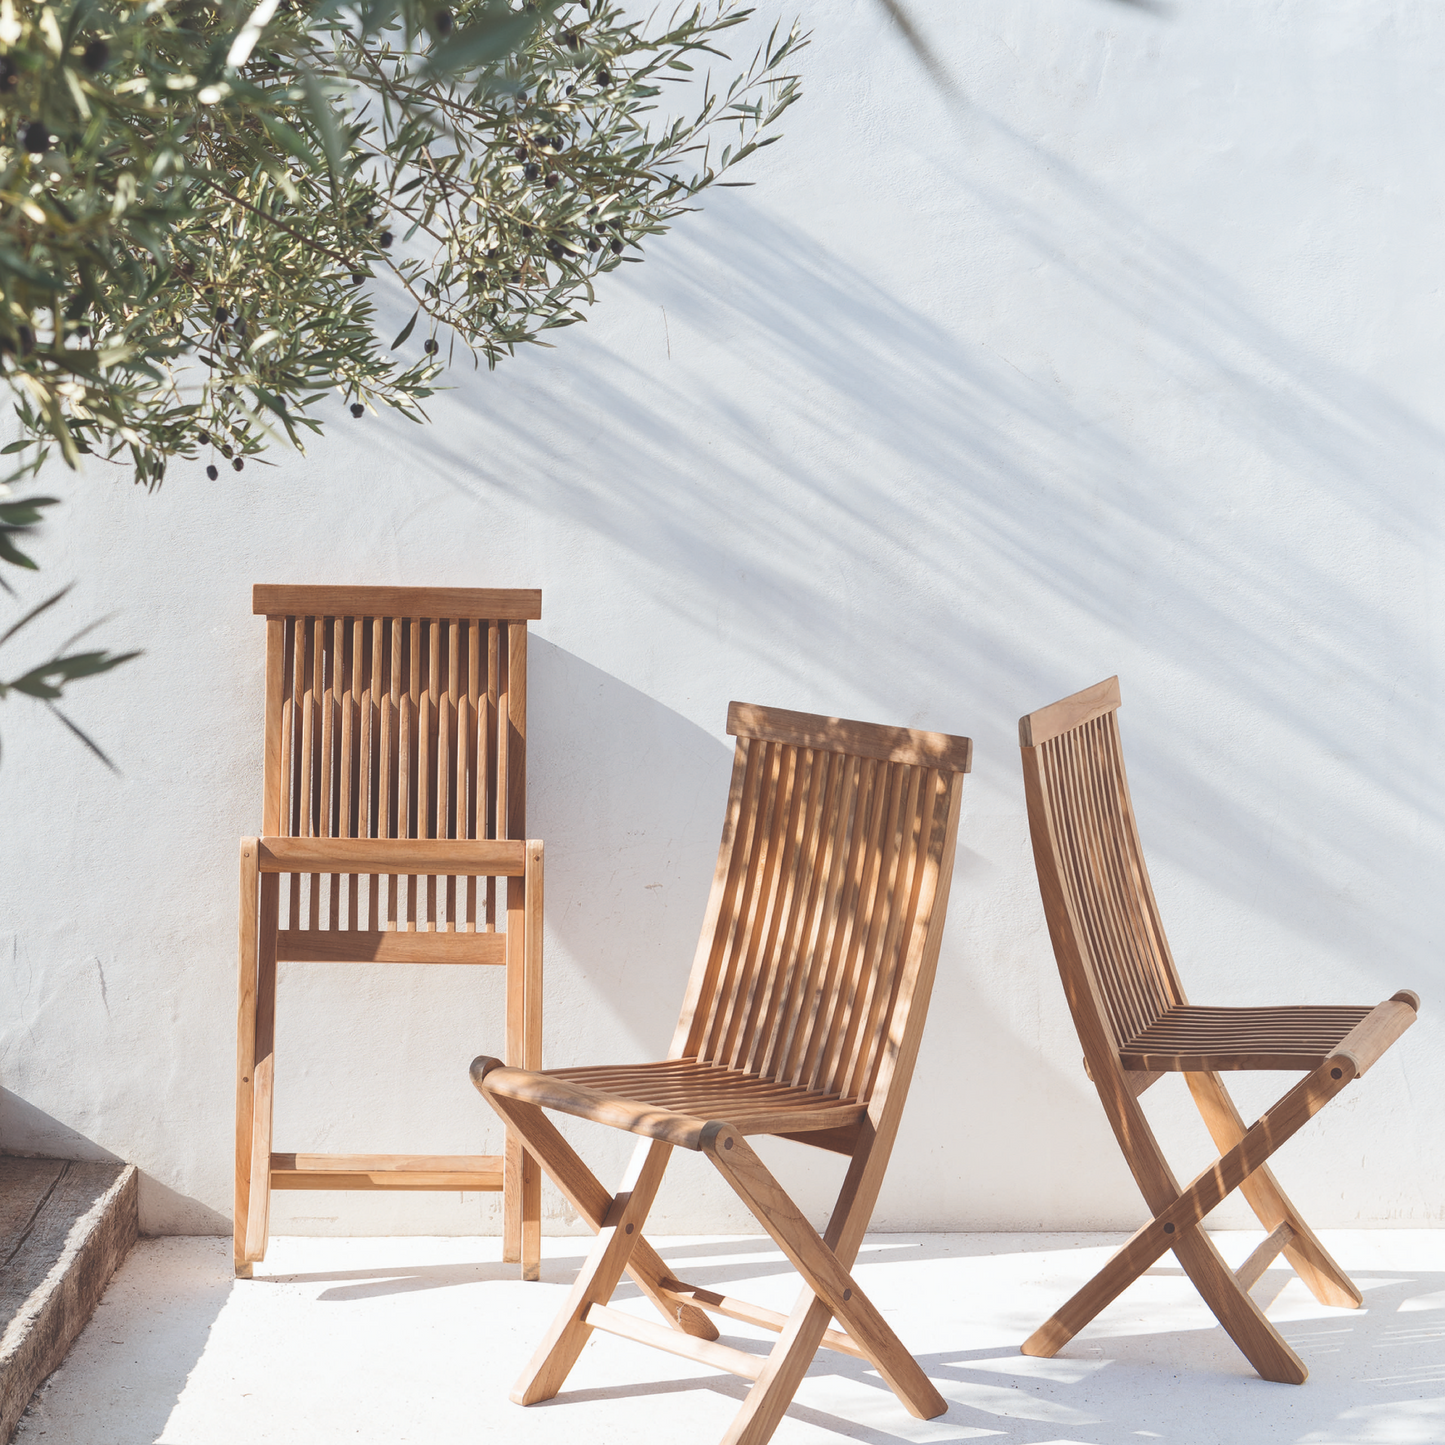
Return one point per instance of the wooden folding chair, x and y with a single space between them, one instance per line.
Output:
802 1019
395 796
1135 1025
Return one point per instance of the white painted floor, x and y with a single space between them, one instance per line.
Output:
418 1340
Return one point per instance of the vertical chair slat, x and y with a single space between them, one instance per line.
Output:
805 960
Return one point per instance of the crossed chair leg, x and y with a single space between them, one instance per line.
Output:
1178 1216
829 1290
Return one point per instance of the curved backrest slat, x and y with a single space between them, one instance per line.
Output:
826 897
401 716
1100 905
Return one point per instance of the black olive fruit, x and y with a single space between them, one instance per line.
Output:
204 437
227 453
35 138
531 170
212 473
553 180
526 232
222 315
593 244
386 239
357 278
238 465
443 22
357 409
431 347
617 248
603 78
522 153
97 56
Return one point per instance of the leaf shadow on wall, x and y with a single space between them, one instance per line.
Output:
1086 546
826 473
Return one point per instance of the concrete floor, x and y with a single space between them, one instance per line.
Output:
418 1340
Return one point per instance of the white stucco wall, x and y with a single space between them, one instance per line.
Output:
1127 359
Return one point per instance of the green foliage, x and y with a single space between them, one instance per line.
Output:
46 680
201 199
196 197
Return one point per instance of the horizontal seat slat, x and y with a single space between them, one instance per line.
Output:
1192 1039
339 945
674 1099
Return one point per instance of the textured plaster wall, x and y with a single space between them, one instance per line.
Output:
1126 358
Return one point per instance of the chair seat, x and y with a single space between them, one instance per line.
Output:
673 1099
1203 1040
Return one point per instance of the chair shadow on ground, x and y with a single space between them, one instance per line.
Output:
1149 1367
1371 1372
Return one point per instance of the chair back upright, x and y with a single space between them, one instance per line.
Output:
394 712
1113 957
822 932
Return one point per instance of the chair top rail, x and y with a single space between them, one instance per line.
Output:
502 604
1069 713
943 751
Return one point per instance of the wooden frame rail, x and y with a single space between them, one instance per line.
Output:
1135 1025
393 831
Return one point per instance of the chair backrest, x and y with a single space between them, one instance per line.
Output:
395 712
822 932
1113 957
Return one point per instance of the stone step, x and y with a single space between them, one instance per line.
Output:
65 1226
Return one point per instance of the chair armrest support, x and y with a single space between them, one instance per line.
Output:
1369 1038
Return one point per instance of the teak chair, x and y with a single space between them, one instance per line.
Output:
802 1019
1135 1025
395 796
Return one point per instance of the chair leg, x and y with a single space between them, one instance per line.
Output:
1174 1226
582 1190
823 1273
245 1050
1232 1305
769 1398
263 1077
620 1233
1329 1284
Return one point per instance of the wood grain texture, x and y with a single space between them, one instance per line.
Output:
801 1019
1263 1255
751 1314
385 830
702 1352
519 604
246 965
820 1268
1069 713
1135 1022
325 945
858 739
490 857
582 1190
481 1172
621 1229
